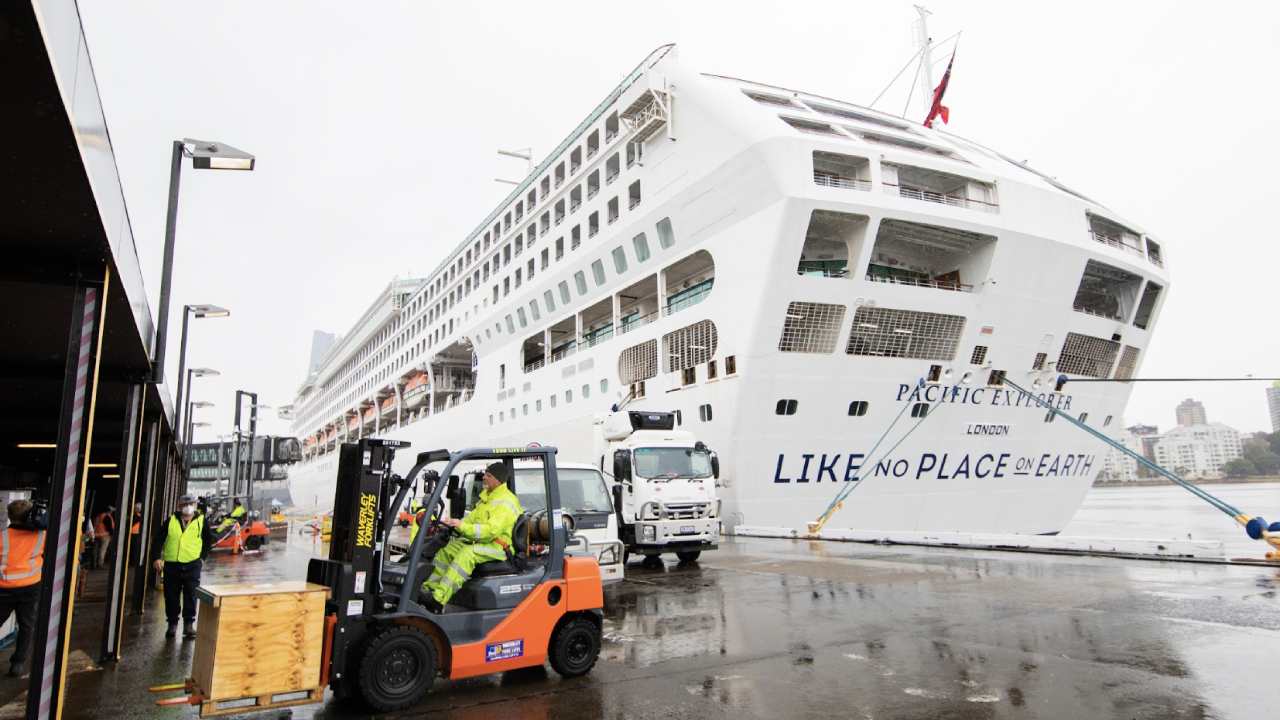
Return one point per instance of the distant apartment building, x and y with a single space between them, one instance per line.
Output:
1191 412
1273 405
1118 466
1197 450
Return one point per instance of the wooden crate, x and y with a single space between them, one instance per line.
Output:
258 641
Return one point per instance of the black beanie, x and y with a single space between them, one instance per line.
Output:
498 470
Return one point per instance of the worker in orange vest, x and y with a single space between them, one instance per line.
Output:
104 528
21 562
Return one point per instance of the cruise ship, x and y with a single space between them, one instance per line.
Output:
821 292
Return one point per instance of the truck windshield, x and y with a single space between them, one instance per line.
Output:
580 490
670 462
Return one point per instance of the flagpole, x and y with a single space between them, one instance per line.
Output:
925 69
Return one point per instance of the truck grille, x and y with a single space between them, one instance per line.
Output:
685 511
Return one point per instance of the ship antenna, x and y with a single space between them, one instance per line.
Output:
924 70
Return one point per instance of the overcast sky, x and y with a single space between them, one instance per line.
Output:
375 126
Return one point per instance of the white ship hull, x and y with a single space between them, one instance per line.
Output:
743 193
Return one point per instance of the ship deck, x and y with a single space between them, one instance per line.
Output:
767 628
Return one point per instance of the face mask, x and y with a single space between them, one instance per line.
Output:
188 510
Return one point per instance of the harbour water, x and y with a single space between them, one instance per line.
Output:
1169 512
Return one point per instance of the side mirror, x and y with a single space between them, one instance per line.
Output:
715 466
457 498
622 465
617 497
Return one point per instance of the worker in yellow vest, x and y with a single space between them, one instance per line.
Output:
235 516
183 543
21 564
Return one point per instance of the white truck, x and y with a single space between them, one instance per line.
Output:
664 484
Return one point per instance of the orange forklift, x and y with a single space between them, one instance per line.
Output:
382 644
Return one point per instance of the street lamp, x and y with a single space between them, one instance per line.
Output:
192 373
189 435
205 155
200 311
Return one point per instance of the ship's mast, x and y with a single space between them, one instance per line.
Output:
924 71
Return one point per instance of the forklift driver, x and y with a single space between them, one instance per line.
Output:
480 536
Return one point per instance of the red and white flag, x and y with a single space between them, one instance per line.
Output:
937 109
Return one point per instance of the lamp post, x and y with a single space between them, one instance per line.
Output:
187 438
205 155
190 375
200 311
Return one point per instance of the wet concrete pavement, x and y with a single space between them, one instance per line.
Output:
776 628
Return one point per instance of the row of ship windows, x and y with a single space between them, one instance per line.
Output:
552 400
858 408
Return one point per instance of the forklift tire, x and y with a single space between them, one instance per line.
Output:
253 542
688 556
397 668
575 647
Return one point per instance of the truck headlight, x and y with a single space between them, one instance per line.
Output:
649 532
608 556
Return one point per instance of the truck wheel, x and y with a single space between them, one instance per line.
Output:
688 556
575 647
652 561
397 668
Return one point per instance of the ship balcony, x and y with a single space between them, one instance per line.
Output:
633 195
1107 292
575 199
560 175
688 282
830 240
934 186
596 322
534 352
846 172
928 256
575 160
646 115
612 210
593 184
1113 234
638 305
562 339
612 168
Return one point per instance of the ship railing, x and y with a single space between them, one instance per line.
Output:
688 300
596 338
610 177
591 192
591 152
921 282
1115 242
591 231
940 198
613 217
840 181
574 205
634 202
634 322
1097 313
574 168
609 136
531 366
563 353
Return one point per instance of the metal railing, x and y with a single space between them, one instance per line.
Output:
591 192
592 339
564 352
681 302
825 272
591 231
610 177
1096 313
840 181
940 198
530 367
921 282
591 152
634 322
613 217
1155 259
634 202
574 168
609 136
559 219
559 182
574 205
1115 242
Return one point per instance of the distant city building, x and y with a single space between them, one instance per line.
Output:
1118 466
1197 450
1273 404
321 343
1191 412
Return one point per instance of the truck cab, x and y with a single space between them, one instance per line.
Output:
665 484
585 498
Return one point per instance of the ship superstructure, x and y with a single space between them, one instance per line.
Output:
789 273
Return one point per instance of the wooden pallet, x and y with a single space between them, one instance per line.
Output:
211 708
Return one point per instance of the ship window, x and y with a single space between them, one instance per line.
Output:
1038 363
490 418
704 412
711 370
857 408
1147 305
597 272
511 326
546 258
979 355
633 195
559 248
568 396
537 406
851 115
731 365
1106 421
575 237
996 379
641 245
533 310
564 292
666 235
688 376
935 373
786 407
604 386
811 127
524 409
612 209
506 286
593 224
501 416
1153 252
764 99
549 300
586 391
811 327
889 332
619 260
517 277
919 410
553 400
